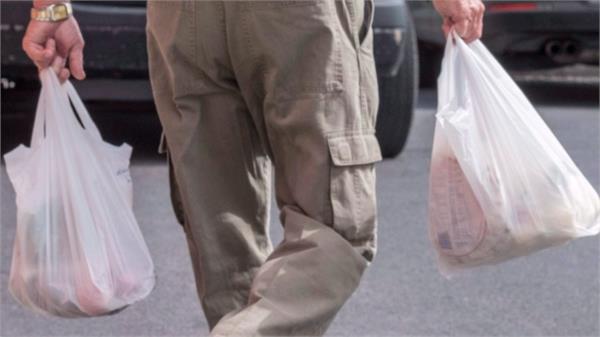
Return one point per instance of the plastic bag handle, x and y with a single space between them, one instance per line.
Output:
65 92
447 75
38 124
82 111
45 120
452 91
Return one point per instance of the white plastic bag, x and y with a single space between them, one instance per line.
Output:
78 249
501 185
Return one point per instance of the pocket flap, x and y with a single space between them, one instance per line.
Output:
354 150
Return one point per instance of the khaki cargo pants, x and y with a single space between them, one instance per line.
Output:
246 87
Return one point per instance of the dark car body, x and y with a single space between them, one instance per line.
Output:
117 68
116 43
115 52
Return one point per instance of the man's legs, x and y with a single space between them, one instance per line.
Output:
219 166
307 72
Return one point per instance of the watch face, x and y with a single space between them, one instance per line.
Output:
59 12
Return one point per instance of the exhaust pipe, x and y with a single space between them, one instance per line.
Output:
570 48
562 51
553 48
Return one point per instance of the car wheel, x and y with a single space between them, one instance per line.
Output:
397 96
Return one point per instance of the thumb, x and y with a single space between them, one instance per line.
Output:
50 50
76 62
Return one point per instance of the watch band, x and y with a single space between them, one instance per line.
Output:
53 13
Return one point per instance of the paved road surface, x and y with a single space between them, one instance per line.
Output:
554 292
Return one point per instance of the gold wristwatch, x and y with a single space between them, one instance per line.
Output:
53 13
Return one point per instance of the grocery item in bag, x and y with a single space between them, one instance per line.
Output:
78 250
501 185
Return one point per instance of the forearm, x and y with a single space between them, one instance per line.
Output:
46 3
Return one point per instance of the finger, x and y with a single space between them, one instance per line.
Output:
58 64
446 26
475 28
76 62
64 75
50 50
479 22
36 53
462 27
471 33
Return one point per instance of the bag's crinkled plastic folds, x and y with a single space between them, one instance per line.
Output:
78 250
501 185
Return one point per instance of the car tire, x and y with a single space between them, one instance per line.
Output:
397 97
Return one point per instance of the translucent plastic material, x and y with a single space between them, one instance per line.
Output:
501 185
78 249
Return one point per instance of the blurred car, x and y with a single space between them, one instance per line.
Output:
116 60
524 35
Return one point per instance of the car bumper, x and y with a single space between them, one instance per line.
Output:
522 33
509 32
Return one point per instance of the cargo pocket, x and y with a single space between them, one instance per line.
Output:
353 187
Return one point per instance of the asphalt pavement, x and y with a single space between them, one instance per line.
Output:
555 292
